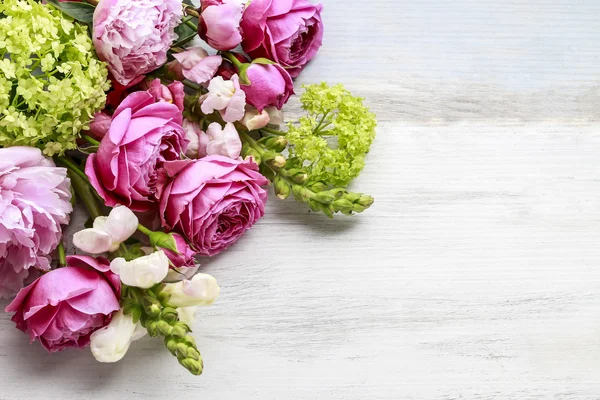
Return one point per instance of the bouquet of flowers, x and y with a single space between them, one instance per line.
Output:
169 146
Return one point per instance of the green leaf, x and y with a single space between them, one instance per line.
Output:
243 74
82 12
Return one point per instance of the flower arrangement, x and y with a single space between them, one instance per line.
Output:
171 149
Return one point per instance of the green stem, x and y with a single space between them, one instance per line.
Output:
84 193
191 25
231 57
192 12
62 258
192 85
73 167
273 131
321 122
144 230
90 140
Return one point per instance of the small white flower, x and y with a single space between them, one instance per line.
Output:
201 290
107 232
223 141
225 96
143 272
109 344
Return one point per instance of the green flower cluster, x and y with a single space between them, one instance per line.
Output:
333 113
51 84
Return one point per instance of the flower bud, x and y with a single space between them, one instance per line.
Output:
324 197
201 290
366 201
143 272
318 187
298 176
343 205
281 187
109 344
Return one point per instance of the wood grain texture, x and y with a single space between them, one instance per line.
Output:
474 275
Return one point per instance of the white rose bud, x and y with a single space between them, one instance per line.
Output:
202 290
108 232
109 344
143 272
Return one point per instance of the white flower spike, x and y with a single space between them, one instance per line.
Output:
107 232
143 272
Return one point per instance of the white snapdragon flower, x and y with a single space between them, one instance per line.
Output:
107 232
201 290
109 344
143 272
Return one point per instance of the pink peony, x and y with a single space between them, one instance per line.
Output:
270 85
289 32
145 132
219 23
64 306
34 201
133 36
211 201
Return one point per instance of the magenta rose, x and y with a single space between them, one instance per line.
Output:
133 36
184 257
64 306
144 132
211 201
219 23
35 199
270 85
289 32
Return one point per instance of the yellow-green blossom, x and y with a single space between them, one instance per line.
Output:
333 114
51 83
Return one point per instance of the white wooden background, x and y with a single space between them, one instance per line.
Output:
476 273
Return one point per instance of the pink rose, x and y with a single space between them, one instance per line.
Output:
270 85
143 134
211 201
289 32
133 36
34 202
219 23
64 306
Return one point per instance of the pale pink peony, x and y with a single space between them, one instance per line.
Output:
133 36
65 306
34 201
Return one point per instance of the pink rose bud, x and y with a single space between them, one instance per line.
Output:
196 65
65 306
99 125
211 201
289 32
184 257
219 23
270 85
35 200
144 133
133 36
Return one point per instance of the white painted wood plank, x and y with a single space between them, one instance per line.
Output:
476 273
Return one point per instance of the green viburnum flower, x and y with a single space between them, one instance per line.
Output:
51 84
333 113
